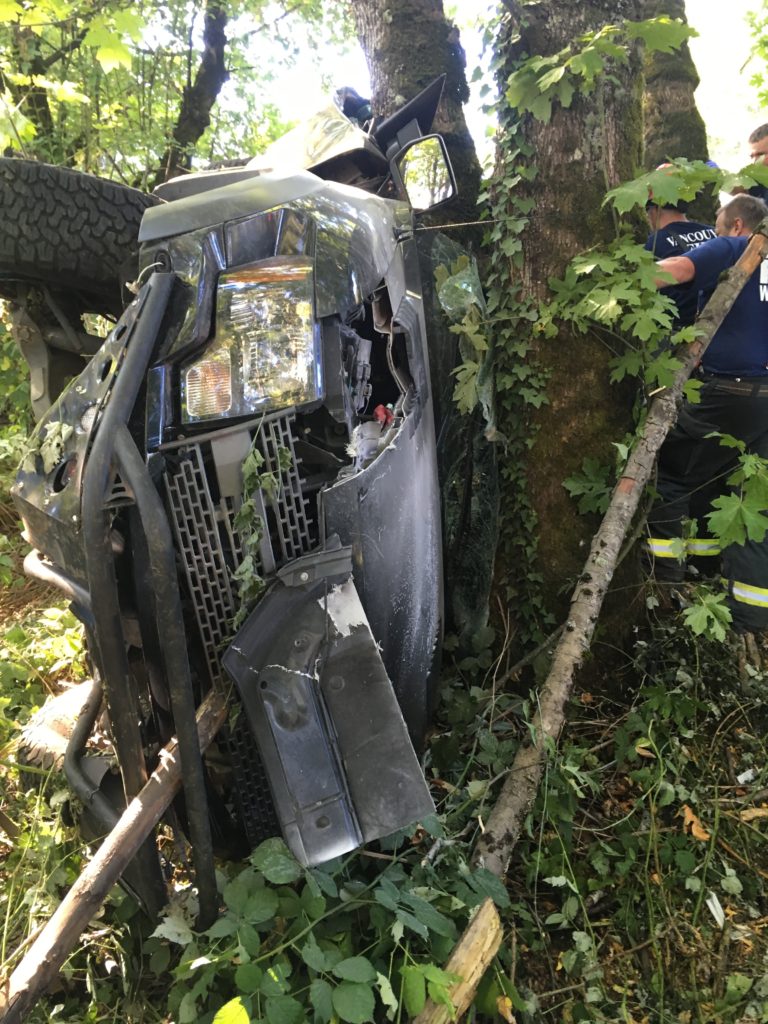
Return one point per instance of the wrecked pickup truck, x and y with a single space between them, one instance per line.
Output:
239 492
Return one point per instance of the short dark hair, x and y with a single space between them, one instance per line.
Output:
749 208
758 133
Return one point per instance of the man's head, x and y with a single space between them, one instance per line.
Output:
741 216
758 143
660 216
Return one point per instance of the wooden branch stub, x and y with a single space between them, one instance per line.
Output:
470 959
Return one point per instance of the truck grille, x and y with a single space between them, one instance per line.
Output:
211 549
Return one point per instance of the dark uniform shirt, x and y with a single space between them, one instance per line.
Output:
678 239
740 345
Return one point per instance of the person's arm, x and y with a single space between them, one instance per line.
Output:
680 267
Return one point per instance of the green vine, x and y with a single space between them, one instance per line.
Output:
250 524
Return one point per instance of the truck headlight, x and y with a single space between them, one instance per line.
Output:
264 352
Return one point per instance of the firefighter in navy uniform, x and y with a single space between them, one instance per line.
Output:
734 400
672 234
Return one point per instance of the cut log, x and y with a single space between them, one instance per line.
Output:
494 848
469 960
50 949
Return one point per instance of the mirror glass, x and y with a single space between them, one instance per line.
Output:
425 173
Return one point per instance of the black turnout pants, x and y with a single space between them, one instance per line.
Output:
692 471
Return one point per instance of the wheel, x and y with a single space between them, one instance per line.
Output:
68 230
69 245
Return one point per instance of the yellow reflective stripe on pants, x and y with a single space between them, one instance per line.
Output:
661 547
702 546
748 594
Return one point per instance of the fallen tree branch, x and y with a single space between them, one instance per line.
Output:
469 960
53 945
494 848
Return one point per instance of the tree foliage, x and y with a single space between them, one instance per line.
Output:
128 90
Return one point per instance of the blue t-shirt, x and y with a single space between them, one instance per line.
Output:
740 345
677 239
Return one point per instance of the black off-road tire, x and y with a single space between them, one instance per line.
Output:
70 231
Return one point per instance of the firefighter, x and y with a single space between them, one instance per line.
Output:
734 401
672 234
758 154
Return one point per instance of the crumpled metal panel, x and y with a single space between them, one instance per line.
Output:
329 730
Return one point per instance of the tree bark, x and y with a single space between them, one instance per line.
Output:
54 944
575 157
494 849
673 125
407 44
470 959
199 96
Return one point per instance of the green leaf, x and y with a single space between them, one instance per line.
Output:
313 956
354 1002
321 998
737 986
426 913
9 10
412 922
113 55
660 34
248 978
733 520
709 615
175 928
276 862
387 995
223 927
731 883
355 968
284 1010
232 1012
261 906
414 989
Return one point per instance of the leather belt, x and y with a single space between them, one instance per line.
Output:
755 387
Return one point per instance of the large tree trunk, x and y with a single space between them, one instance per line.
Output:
199 95
407 44
577 155
673 125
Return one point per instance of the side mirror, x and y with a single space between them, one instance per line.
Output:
425 173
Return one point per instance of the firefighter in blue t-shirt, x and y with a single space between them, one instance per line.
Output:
734 400
672 234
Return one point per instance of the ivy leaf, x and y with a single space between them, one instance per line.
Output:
354 1002
275 861
355 968
232 1012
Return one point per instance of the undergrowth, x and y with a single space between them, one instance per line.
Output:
637 892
